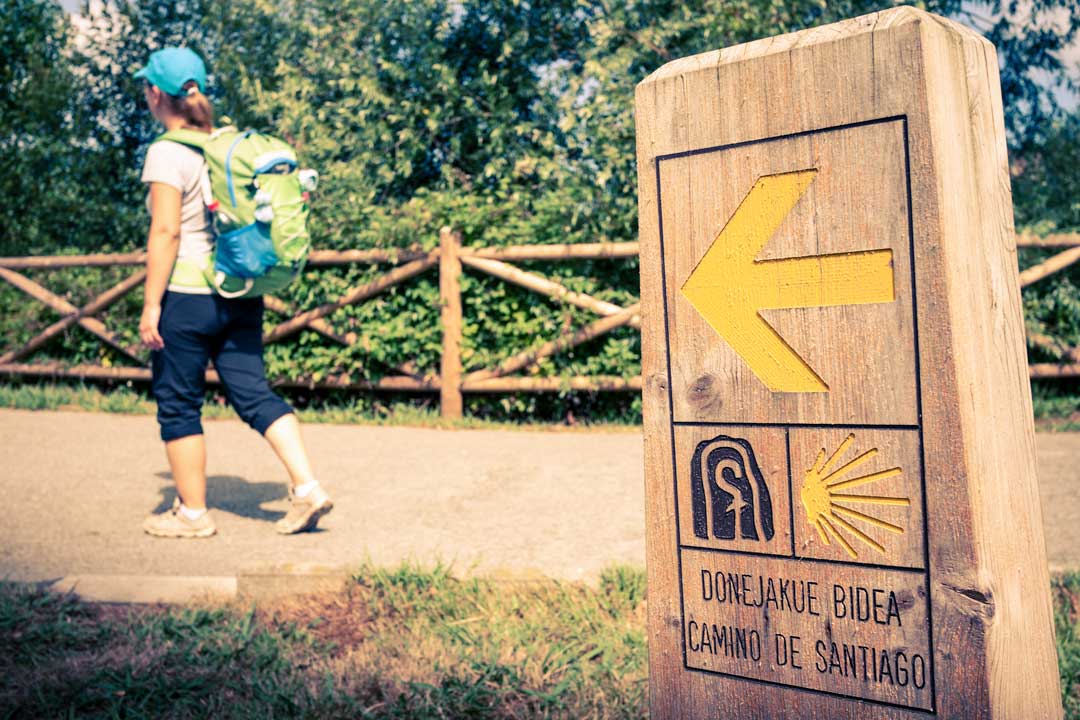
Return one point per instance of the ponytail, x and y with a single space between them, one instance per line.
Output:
193 107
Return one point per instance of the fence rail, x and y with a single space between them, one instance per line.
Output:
451 258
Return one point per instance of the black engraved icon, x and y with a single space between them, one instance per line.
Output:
736 490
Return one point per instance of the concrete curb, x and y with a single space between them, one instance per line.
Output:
171 589
271 581
257 583
251 584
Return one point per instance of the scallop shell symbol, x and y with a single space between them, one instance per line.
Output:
826 502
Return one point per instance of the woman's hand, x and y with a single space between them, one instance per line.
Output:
148 327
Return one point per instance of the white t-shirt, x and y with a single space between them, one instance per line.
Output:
183 168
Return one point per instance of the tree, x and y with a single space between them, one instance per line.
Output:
503 117
511 120
1046 187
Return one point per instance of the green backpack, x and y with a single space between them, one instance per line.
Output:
260 205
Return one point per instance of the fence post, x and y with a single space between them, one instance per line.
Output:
450 400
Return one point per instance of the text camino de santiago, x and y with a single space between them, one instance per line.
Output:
851 603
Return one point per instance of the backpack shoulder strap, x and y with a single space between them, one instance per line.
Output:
191 138
196 140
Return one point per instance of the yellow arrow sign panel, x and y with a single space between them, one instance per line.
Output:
729 287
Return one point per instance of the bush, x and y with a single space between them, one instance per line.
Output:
509 120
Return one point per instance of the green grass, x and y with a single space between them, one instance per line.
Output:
1057 407
409 642
1067 626
339 409
402 643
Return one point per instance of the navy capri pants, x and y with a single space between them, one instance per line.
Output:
197 328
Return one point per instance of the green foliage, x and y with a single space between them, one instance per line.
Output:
35 80
405 642
402 643
509 120
1046 197
183 663
1057 405
65 189
39 628
1054 309
1030 39
1067 629
327 407
1046 186
72 397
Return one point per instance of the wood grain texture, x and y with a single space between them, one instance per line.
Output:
550 288
451 403
342 381
354 295
1050 266
857 167
63 307
900 115
99 303
879 475
566 340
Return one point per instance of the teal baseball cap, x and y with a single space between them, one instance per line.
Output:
171 67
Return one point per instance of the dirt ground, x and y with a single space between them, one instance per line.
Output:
561 504
564 505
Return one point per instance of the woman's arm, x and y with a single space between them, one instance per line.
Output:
161 247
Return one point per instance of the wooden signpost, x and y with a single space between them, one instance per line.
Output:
843 517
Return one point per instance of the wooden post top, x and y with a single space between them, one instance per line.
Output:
842 508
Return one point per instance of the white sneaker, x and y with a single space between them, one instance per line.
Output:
304 512
174 524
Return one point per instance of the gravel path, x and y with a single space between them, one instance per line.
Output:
79 485
564 504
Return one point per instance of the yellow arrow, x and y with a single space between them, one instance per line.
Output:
729 286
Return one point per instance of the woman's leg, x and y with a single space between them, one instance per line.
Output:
186 327
187 459
179 385
239 362
284 436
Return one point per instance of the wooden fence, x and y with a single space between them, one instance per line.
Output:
451 258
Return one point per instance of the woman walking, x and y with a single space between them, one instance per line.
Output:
185 323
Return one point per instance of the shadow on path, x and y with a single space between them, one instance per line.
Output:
231 494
